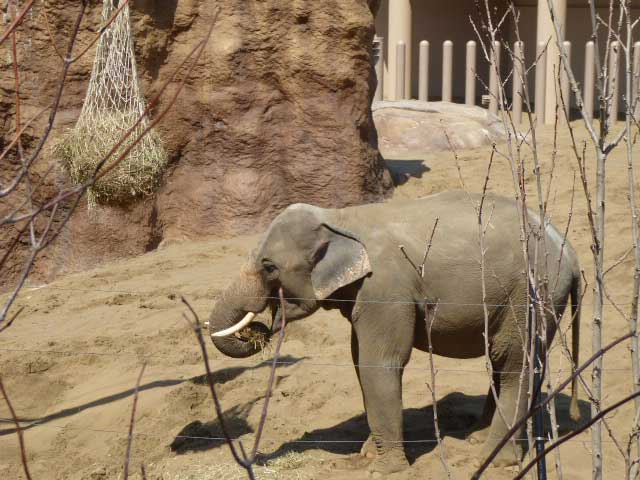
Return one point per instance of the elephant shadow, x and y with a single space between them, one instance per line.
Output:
198 435
458 417
402 170
224 375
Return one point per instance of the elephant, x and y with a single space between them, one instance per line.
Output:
350 259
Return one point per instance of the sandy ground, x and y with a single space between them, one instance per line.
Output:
71 361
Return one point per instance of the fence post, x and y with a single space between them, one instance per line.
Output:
378 59
470 74
400 63
636 80
589 77
541 81
494 77
447 70
564 82
423 72
612 90
518 82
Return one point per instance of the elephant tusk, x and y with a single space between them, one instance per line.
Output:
248 318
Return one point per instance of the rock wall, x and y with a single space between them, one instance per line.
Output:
276 112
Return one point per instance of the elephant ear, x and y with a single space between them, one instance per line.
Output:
340 259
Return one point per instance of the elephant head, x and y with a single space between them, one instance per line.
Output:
303 252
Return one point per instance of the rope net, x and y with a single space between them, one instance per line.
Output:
112 105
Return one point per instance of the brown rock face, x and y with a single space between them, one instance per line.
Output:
276 112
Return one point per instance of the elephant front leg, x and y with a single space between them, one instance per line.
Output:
381 359
368 449
383 402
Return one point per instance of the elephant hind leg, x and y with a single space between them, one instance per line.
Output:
512 404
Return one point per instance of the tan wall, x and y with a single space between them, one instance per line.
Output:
436 24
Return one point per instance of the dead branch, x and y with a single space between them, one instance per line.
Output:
195 324
23 451
132 422
17 21
240 454
542 404
272 375
432 388
56 102
577 431
79 190
101 30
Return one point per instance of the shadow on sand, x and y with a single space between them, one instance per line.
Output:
458 416
220 376
402 170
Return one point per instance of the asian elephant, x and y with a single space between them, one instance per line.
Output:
350 259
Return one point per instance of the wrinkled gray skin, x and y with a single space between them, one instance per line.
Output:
317 255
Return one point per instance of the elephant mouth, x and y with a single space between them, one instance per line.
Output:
257 333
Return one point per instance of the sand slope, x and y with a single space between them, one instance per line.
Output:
71 360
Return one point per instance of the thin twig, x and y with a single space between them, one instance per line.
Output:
196 326
432 388
17 21
132 422
272 376
23 451
577 431
542 404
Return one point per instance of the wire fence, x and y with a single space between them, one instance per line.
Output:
304 360
375 302
449 433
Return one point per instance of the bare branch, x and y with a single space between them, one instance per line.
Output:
132 422
542 404
23 451
577 431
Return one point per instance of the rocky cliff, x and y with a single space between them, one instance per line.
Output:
276 112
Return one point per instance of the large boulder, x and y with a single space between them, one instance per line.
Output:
411 128
277 111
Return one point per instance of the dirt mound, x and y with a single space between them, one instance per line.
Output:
71 360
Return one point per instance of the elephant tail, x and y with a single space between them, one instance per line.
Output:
574 410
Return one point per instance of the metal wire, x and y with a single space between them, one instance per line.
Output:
391 302
279 362
222 439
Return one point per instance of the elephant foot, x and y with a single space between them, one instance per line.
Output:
368 449
389 462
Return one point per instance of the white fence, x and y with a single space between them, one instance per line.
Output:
516 70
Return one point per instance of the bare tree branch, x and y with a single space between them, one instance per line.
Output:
132 422
23 451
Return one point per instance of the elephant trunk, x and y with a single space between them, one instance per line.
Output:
246 295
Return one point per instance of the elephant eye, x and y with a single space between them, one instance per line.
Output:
269 267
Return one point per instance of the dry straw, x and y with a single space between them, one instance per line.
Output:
112 105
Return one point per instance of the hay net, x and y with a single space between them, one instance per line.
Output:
112 105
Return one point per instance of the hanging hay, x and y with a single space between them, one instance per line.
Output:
112 105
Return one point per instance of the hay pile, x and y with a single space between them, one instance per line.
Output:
113 104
